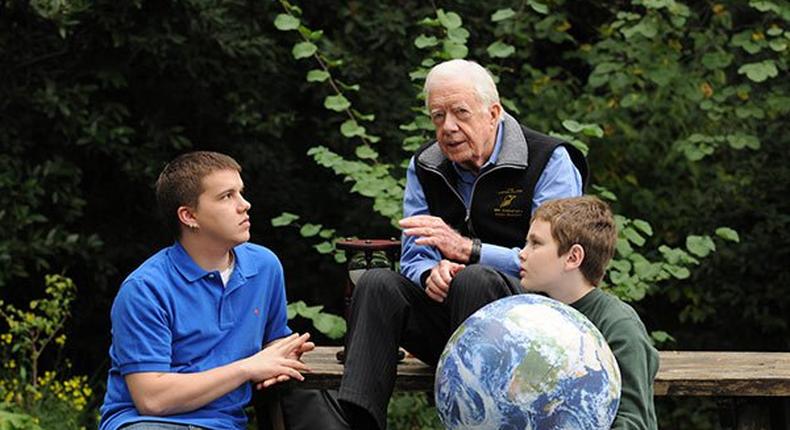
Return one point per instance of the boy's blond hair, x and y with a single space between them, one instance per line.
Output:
586 221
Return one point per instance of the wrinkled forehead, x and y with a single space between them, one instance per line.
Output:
451 85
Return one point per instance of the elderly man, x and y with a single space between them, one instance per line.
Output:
468 201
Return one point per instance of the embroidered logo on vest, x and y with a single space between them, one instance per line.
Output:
505 208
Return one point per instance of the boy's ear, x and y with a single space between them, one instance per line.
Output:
574 257
186 216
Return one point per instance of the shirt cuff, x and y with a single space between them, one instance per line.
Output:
417 269
126 369
500 258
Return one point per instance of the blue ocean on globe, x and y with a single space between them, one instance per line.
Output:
527 362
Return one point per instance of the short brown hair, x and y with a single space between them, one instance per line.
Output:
586 221
180 183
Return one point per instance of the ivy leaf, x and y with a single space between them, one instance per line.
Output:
340 257
418 74
643 226
347 87
700 246
604 193
633 236
303 50
459 34
324 247
327 233
727 233
455 50
500 49
572 125
778 45
331 325
316 35
310 230
337 103
592 130
623 266
363 117
310 312
317 75
678 272
717 60
502 14
740 141
759 72
285 22
350 128
366 152
646 270
294 309
766 6
509 105
660 337
538 7
645 27
423 41
449 20
284 219
624 248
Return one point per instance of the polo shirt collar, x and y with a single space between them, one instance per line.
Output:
192 272
245 262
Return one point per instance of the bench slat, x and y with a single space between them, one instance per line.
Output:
681 373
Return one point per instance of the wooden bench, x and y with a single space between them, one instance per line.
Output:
726 375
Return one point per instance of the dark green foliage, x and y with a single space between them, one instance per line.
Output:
683 109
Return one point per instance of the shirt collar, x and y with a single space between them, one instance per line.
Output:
192 272
467 174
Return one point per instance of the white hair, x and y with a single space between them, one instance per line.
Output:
477 75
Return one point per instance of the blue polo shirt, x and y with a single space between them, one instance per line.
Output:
170 315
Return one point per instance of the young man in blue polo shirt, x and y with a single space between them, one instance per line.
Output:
188 324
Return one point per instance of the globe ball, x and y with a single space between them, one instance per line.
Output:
527 362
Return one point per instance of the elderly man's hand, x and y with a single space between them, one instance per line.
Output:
432 231
438 282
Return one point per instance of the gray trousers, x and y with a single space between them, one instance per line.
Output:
388 311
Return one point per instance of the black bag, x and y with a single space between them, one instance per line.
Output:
288 407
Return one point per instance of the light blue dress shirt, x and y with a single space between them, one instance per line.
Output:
559 179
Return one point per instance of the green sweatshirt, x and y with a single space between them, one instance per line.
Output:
638 360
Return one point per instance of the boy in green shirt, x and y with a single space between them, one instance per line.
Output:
569 243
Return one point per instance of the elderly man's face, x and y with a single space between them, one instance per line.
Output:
465 128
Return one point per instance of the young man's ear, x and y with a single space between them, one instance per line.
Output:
187 217
574 257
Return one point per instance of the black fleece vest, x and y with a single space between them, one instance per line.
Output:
502 193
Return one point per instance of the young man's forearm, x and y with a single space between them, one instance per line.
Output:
160 394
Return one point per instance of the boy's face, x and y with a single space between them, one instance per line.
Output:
541 267
221 212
